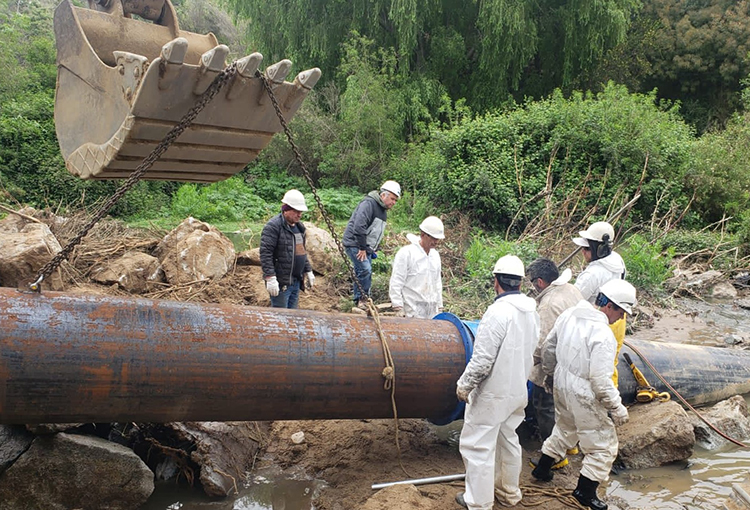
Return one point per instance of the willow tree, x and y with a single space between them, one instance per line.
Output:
482 49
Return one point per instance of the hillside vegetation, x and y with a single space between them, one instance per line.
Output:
512 125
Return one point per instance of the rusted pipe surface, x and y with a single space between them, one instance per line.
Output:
78 358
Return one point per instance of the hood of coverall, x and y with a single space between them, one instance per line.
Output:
612 262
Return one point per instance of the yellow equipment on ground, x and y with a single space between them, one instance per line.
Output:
644 392
123 83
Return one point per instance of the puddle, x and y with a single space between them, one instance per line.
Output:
260 493
703 483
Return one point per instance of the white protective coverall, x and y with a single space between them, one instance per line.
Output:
497 374
416 283
579 352
597 273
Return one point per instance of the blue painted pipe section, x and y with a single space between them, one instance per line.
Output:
468 331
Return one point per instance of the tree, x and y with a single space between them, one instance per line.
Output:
699 56
483 50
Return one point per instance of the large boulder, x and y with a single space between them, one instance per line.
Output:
657 433
66 471
223 450
249 257
730 416
14 440
23 253
135 272
195 251
723 290
693 282
42 429
321 249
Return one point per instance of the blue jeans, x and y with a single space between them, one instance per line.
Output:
288 296
363 270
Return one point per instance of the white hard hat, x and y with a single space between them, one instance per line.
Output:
433 227
510 265
393 187
595 232
620 293
295 199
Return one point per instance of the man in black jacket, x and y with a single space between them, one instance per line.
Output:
282 253
364 232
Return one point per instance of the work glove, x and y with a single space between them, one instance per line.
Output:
399 312
462 393
620 416
310 279
272 286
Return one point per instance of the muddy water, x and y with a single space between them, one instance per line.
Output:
264 492
703 482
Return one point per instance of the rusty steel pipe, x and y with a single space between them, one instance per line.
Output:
79 358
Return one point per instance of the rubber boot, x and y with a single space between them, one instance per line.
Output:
460 499
585 493
543 469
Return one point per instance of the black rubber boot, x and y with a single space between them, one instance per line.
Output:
585 493
460 499
543 469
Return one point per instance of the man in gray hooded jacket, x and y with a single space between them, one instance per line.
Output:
363 234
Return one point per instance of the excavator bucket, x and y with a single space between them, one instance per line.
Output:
123 83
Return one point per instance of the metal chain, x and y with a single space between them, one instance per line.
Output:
389 372
221 79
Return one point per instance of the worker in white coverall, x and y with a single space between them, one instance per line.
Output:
578 352
416 287
603 265
494 388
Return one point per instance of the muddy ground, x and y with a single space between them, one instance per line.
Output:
351 455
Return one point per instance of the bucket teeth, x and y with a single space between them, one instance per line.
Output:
212 62
278 71
246 69
275 75
174 51
246 66
172 56
303 83
309 78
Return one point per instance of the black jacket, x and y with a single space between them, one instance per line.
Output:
277 250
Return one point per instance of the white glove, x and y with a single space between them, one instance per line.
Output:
272 286
462 393
310 279
399 312
620 416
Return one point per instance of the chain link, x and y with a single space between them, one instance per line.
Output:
221 79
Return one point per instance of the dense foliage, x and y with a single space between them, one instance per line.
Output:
406 83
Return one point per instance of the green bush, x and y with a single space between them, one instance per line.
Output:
648 263
339 203
229 200
594 146
484 251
